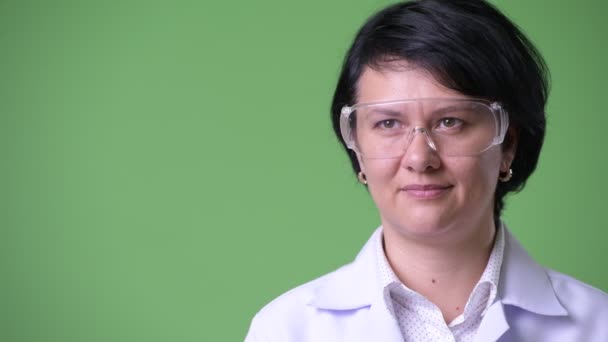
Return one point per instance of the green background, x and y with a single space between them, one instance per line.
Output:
168 167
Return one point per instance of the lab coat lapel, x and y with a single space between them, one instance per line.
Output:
352 286
526 284
493 325
523 283
383 326
357 286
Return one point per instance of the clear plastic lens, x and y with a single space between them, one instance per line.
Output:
452 127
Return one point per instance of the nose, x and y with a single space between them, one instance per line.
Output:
421 153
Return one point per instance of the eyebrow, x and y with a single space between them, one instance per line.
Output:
451 108
385 111
373 110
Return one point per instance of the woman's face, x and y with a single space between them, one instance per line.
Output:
423 194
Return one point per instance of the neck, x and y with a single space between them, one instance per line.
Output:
443 269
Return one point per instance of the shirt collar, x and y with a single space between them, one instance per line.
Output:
490 275
484 292
523 282
385 272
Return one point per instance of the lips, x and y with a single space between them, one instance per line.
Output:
426 191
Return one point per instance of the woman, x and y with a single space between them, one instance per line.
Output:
440 106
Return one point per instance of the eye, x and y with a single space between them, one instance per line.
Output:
449 123
388 124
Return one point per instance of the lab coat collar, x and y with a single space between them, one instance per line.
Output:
354 285
523 283
357 286
526 284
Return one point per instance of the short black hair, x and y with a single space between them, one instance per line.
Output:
468 46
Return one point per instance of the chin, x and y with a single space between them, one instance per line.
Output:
422 226
425 230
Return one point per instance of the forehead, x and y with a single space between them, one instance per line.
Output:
398 82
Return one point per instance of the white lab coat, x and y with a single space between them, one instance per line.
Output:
533 304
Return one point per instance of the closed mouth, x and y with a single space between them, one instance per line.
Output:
426 191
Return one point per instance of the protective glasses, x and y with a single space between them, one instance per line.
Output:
451 127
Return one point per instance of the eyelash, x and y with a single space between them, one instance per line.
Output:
382 123
457 122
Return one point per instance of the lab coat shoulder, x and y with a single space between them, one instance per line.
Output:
534 304
584 315
544 305
586 305
279 317
297 314
340 306
574 294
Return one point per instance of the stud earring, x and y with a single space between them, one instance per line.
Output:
362 178
507 177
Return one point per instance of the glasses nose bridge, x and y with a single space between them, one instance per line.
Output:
420 109
427 137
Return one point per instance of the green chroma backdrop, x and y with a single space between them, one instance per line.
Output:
168 167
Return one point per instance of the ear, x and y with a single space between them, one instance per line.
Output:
509 147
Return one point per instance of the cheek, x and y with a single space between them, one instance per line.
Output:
479 178
381 171
380 175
